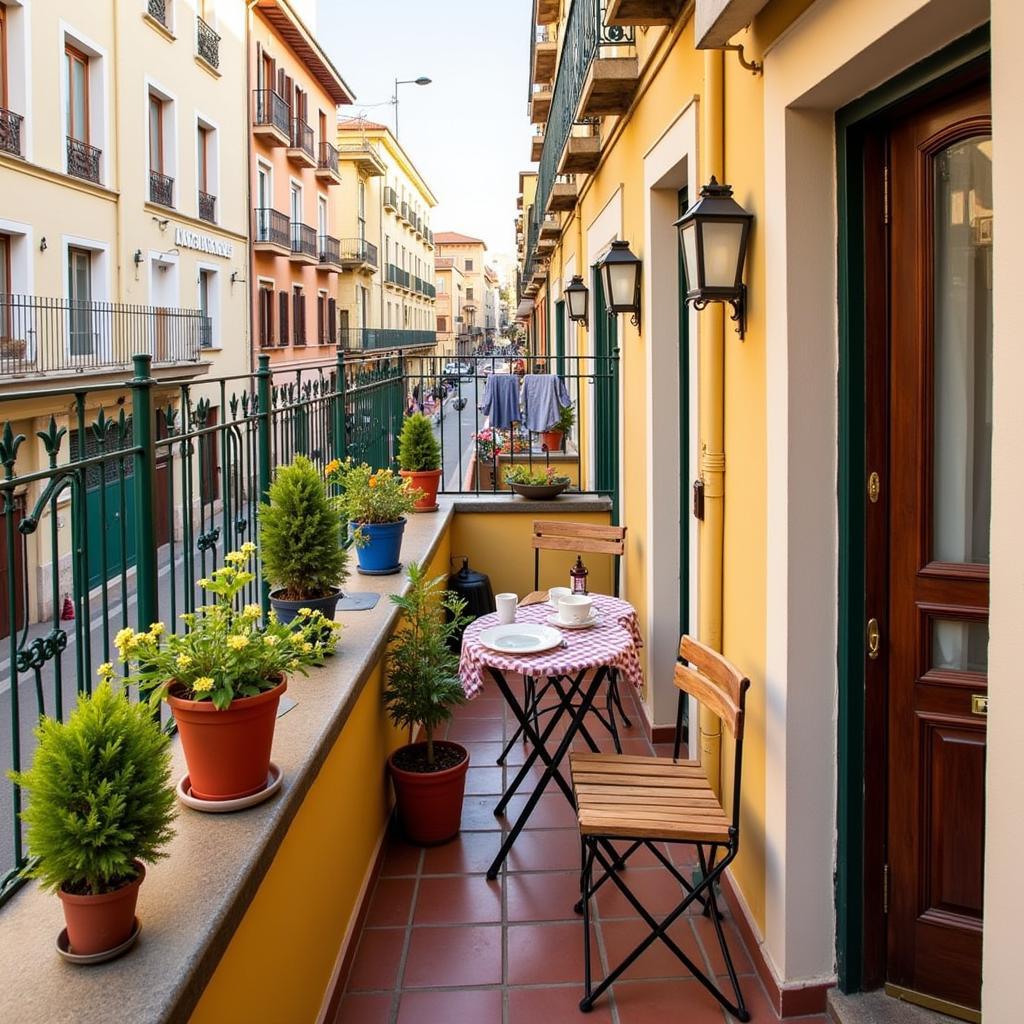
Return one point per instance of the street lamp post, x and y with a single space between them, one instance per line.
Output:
422 80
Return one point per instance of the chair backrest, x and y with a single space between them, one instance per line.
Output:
713 682
589 538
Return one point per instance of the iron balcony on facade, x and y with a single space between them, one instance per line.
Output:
207 207
378 339
300 146
536 145
544 56
403 212
562 198
397 276
271 231
581 155
271 117
157 10
548 11
161 189
390 199
643 12
304 248
364 155
358 254
428 234
56 337
327 165
83 160
10 132
330 252
207 44
540 105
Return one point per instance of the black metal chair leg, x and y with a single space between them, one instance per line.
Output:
617 697
586 1003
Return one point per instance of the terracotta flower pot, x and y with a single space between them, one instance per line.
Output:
427 481
227 752
98 923
430 803
552 440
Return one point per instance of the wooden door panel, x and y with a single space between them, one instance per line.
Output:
939 367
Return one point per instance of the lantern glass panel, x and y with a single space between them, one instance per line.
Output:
688 236
722 242
576 297
620 285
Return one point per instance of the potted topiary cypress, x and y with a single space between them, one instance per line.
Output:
101 806
422 688
300 542
419 459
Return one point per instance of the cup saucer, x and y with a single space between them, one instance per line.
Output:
556 620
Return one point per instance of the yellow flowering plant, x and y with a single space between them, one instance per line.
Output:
225 652
369 496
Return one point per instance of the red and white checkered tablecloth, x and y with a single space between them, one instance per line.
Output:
615 642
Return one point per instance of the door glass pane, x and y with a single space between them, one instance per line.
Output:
963 351
76 106
296 205
155 148
959 646
80 292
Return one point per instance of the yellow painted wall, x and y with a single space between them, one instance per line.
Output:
664 93
304 903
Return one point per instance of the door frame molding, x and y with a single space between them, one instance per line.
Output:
860 853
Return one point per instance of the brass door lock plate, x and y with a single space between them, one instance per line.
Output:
874 638
979 703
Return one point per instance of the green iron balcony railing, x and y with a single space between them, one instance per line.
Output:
584 37
378 339
396 275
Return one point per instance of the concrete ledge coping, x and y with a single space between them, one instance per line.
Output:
192 902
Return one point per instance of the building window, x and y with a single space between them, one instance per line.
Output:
209 306
161 182
442 324
266 313
298 316
469 294
362 209
81 339
282 317
206 172
469 266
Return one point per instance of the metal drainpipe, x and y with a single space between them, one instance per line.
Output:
119 141
250 144
712 423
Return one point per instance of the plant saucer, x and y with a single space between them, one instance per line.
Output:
274 778
84 959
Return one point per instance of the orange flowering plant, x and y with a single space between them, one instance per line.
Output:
367 495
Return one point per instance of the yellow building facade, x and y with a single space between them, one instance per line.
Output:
777 572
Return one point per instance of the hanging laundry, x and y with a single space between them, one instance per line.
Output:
501 400
544 397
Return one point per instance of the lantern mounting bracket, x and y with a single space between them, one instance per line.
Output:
755 67
739 309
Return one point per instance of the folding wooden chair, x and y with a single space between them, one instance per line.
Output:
651 800
579 538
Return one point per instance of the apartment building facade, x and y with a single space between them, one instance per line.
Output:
387 293
469 254
296 251
450 289
119 235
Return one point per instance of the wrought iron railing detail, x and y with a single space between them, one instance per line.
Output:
10 132
302 137
328 157
396 275
207 207
207 43
404 211
83 160
158 11
272 227
161 189
303 240
330 250
51 336
390 197
358 250
270 109
584 36
368 339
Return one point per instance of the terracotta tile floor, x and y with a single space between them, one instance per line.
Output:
442 945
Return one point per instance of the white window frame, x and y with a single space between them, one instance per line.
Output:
212 162
213 295
99 112
169 126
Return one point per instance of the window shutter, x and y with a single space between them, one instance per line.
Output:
332 317
320 302
282 305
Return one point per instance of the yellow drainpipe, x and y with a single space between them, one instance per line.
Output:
712 421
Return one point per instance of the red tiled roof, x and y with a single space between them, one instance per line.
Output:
454 238
360 124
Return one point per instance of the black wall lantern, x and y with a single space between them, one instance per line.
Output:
620 277
577 298
713 236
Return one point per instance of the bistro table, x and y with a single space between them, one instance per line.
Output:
611 644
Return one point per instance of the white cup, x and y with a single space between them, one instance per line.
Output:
555 594
575 609
506 607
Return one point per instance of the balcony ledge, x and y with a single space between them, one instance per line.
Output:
192 903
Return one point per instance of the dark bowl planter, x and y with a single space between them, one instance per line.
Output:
539 492
430 803
287 610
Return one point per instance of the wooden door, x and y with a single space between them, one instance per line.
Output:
940 423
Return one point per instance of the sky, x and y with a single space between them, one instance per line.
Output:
467 132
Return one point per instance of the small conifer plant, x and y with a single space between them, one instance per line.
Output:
100 794
418 450
300 535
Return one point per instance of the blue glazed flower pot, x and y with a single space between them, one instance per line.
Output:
379 557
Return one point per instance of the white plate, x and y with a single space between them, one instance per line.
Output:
594 620
520 638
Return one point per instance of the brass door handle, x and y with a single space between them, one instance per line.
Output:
874 638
